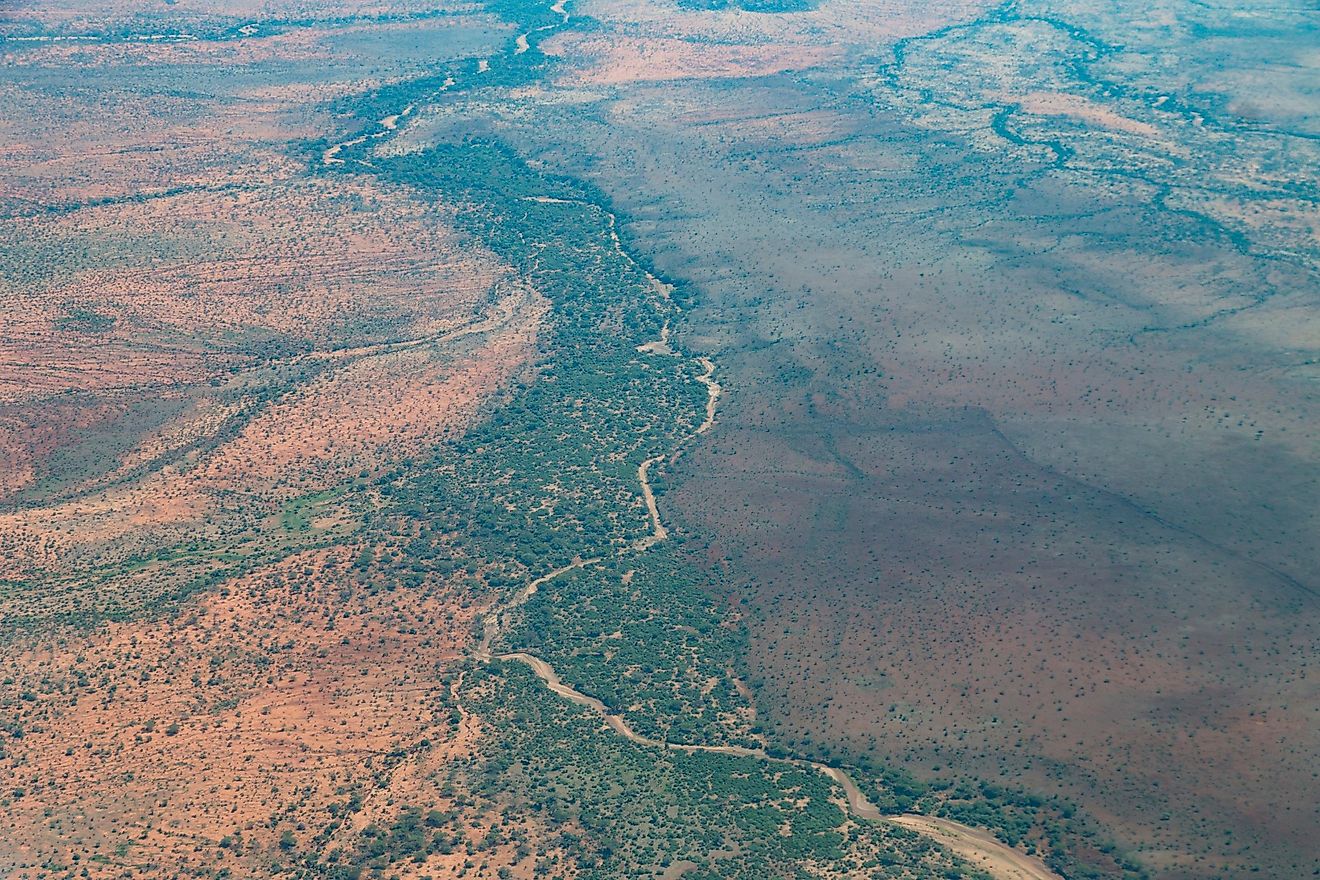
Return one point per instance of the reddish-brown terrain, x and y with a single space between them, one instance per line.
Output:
204 346
1013 481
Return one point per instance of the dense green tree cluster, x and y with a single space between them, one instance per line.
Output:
644 637
550 476
642 808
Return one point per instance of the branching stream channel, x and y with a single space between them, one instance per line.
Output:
977 846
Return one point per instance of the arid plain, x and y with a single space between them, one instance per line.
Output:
923 390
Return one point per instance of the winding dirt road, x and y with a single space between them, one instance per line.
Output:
713 391
658 530
979 847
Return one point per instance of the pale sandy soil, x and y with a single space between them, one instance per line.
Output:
1078 107
979 847
850 24
619 59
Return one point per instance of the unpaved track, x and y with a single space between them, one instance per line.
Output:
503 312
547 674
493 622
978 847
713 391
659 346
658 530
858 803
660 287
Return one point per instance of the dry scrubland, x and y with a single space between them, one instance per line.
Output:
1017 470
1012 483
200 338
205 347
197 743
